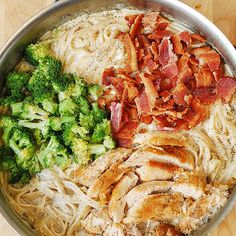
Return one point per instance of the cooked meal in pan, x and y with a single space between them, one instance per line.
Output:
120 122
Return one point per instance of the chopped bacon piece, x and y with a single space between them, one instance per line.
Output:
135 27
109 72
133 114
192 118
198 38
166 52
149 89
154 51
165 95
127 131
201 50
147 119
142 103
162 23
204 78
211 58
202 110
116 116
150 65
206 95
179 93
177 45
145 45
160 34
226 86
131 64
185 37
170 70
149 21
185 72
161 105
166 84
125 143
130 19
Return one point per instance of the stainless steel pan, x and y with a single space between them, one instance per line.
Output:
67 9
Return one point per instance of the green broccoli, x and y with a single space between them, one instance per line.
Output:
50 105
80 88
68 108
57 122
80 151
52 153
101 130
15 83
35 52
95 91
83 104
96 149
87 121
62 82
7 123
109 142
98 114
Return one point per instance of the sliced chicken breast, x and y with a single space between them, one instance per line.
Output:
154 170
142 190
117 202
96 222
172 155
167 230
101 185
156 207
85 176
189 184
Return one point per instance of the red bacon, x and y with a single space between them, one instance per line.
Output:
162 23
160 34
198 38
149 21
204 78
142 103
170 70
177 45
135 27
226 86
116 116
185 37
185 72
206 95
166 52
130 19
179 93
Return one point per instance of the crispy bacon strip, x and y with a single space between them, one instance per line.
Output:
166 52
226 86
116 116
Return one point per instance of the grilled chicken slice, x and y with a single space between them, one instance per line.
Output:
117 202
160 139
156 207
85 176
167 230
172 155
154 170
101 185
115 229
141 191
96 222
189 184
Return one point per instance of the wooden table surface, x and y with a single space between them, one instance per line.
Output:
13 13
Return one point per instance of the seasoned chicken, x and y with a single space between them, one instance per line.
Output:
172 155
156 207
142 190
115 229
108 178
189 184
86 175
96 222
154 170
167 230
160 139
117 202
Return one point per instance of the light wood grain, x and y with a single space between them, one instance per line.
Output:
13 13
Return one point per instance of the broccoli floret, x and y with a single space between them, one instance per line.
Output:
7 123
62 82
8 163
68 108
15 82
50 105
109 142
98 114
101 130
79 148
96 149
95 91
34 52
83 104
80 88
33 117
57 122
52 153
7 101
87 121
38 137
